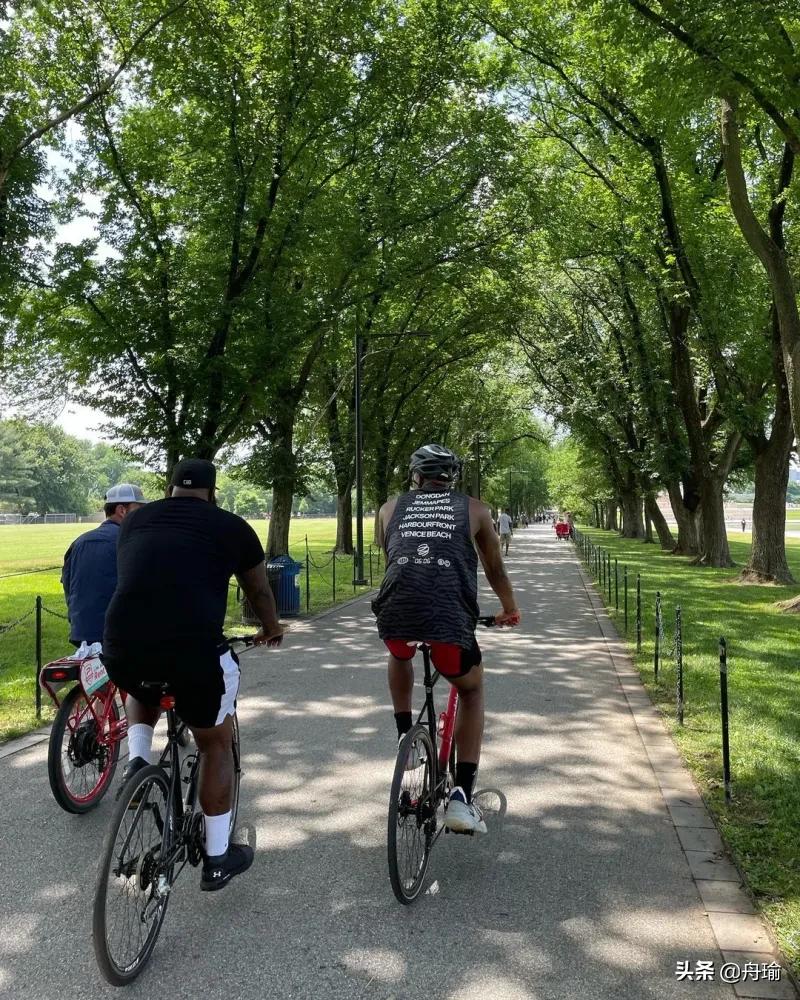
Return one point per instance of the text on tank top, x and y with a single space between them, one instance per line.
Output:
430 587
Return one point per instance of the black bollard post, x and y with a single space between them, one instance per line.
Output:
638 612
608 578
679 665
723 697
657 645
334 577
625 582
616 586
38 655
308 579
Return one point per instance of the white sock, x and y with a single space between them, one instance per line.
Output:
216 838
140 741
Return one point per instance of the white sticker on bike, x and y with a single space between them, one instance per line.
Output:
93 674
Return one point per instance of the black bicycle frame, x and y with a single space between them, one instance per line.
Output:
170 753
429 709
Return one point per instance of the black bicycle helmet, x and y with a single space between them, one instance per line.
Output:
434 461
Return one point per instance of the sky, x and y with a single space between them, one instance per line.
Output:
74 418
84 423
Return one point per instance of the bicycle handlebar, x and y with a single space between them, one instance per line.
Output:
245 640
487 621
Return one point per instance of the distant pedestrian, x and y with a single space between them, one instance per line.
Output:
89 576
744 524
505 529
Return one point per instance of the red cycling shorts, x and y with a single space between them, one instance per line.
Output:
449 659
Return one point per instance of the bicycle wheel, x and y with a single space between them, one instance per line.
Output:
79 766
134 877
412 814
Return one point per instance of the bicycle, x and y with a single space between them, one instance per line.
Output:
89 726
424 776
155 832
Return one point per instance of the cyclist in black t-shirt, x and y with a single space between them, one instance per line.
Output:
165 622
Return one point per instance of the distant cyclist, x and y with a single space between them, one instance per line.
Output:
164 623
89 575
429 593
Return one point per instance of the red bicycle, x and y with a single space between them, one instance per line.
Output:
424 776
89 725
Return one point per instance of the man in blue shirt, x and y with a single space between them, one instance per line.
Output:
89 576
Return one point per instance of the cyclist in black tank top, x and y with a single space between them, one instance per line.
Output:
429 593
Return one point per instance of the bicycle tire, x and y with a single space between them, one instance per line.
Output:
132 806
412 816
59 785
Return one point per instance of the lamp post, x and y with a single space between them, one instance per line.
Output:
359 578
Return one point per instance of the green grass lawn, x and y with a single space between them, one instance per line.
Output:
761 823
28 553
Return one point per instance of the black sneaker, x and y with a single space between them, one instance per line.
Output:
218 871
134 766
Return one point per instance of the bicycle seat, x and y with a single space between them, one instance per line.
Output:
166 699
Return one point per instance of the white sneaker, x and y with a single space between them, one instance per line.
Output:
463 816
415 759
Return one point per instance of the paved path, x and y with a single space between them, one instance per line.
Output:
580 890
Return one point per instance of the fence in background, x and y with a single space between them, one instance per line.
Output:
323 582
623 596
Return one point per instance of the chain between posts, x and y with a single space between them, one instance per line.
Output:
16 622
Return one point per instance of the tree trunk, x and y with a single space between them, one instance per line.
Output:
611 516
766 247
631 500
344 522
684 507
767 563
648 524
282 492
665 539
280 521
714 549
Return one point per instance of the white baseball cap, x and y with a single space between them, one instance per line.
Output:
125 493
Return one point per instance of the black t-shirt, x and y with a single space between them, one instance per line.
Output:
175 559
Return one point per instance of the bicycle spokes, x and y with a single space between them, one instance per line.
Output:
412 814
138 877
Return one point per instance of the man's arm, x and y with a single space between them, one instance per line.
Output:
384 517
258 592
66 571
488 545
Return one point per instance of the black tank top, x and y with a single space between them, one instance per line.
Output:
430 590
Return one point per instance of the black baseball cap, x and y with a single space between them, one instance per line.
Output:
194 474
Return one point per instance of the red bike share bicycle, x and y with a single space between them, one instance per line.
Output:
89 725
424 776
